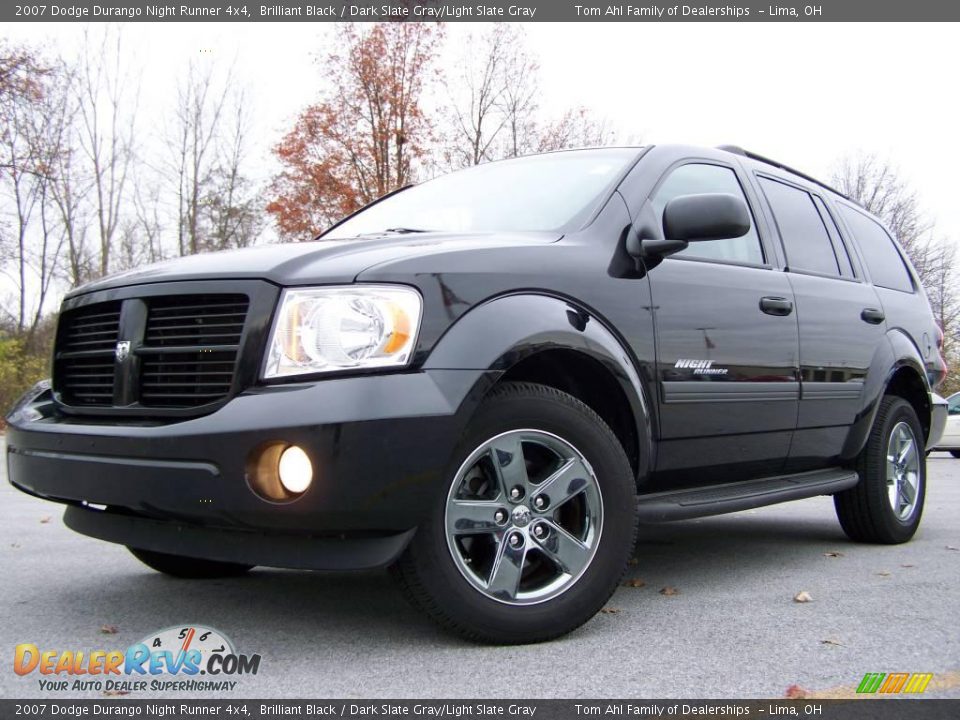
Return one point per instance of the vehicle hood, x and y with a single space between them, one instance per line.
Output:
313 262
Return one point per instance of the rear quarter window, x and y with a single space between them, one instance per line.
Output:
883 260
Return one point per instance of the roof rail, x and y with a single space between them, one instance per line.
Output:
737 150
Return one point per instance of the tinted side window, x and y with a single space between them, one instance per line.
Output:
804 235
882 258
696 179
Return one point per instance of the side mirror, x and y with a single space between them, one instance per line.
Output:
694 218
709 216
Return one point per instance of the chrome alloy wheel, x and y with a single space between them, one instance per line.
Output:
523 517
903 471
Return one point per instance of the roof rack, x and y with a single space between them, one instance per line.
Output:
737 150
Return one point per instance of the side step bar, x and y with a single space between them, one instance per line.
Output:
732 497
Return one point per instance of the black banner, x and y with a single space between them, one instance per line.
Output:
876 709
490 10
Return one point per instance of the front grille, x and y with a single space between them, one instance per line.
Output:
86 341
183 351
193 342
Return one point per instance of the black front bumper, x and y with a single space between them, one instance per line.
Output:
379 445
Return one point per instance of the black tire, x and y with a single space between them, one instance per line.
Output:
865 511
955 453
427 572
187 567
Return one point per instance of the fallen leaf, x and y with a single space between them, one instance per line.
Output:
883 573
828 641
110 693
634 583
802 597
668 590
951 547
108 629
795 692
833 553
610 610
45 519
908 566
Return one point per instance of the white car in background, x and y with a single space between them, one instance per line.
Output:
950 441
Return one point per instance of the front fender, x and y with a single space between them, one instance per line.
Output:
896 352
501 332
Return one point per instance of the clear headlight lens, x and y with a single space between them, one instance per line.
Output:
339 328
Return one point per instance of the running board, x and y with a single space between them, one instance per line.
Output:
719 499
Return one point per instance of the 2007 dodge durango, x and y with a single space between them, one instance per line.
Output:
486 381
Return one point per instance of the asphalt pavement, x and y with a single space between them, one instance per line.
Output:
728 627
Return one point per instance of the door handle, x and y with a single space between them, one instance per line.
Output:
872 316
776 306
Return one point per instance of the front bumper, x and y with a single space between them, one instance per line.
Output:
939 411
379 445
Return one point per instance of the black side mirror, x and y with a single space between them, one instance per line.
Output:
693 218
709 216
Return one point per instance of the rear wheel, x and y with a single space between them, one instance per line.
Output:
531 534
887 503
188 567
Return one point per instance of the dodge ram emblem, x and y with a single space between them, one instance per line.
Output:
123 349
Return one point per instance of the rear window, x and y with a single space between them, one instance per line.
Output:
883 260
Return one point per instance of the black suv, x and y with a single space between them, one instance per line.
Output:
486 381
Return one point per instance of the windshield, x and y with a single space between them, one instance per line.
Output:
537 193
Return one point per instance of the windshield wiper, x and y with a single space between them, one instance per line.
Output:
395 231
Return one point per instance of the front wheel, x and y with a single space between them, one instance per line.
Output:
955 453
188 567
886 505
533 530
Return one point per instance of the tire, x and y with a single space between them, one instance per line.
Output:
560 584
866 511
955 453
187 567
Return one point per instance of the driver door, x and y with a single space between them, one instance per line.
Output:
726 347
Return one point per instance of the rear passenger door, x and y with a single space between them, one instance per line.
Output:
840 318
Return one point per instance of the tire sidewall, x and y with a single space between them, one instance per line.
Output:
547 412
901 411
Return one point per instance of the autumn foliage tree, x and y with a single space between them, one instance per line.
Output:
366 135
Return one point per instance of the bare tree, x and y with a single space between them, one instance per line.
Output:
32 126
217 206
577 127
481 86
878 186
495 105
233 206
108 98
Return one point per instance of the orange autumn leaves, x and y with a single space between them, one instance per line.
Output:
364 137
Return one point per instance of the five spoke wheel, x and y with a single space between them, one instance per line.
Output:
523 517
903 470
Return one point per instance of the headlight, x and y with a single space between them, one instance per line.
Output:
338 328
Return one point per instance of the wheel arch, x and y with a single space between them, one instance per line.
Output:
897 369
553 341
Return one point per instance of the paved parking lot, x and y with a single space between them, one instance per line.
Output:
732 628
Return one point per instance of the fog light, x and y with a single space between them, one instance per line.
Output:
296 471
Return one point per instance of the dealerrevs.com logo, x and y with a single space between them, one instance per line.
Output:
181 658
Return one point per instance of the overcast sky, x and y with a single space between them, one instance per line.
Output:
803 93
